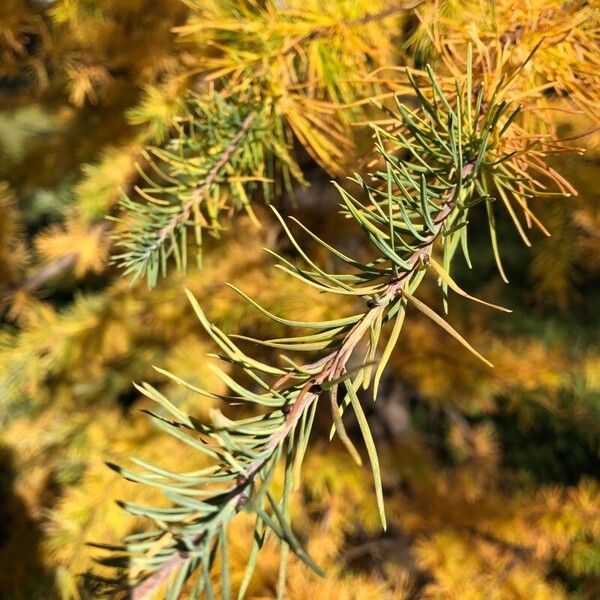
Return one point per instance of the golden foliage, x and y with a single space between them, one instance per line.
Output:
103 182
97 44
497 544
19 23
563 35
12 250
90 246
311 59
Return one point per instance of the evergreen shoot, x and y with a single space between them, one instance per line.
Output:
434 164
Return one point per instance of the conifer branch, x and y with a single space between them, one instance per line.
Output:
218 151
435 163
331 368
188 188
180 218
272 76
150 585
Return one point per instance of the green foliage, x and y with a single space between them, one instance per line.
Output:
433 165
216 160
276 74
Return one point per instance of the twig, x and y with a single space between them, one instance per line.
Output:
152 583
186 207
390 12
50 271
237 496
325 31
580 135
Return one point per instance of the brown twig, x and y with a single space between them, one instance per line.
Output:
384 14
580 135
325 31
237 497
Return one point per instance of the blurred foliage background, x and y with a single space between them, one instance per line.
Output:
490 476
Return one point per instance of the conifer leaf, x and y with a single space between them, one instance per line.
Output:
494 240
257 542
371 450
422 307
389 348
338 425
444 275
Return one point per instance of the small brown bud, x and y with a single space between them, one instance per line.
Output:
242 501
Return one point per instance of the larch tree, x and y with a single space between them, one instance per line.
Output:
334 415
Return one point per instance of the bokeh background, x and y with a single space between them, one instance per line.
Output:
490 476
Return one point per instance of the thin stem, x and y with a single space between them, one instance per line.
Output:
323 32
